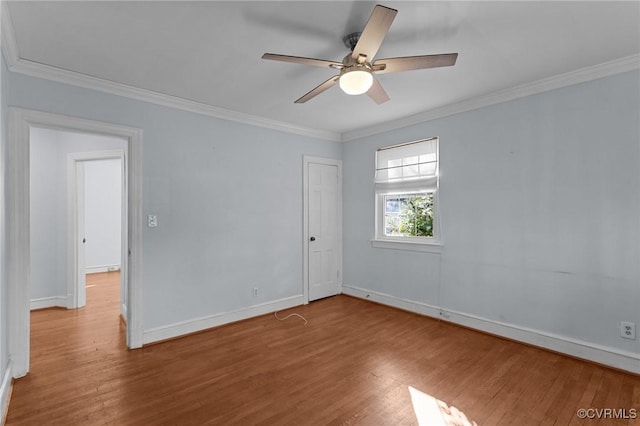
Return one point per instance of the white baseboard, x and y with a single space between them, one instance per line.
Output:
623 360
198 324
5 392
99 269
386 299
48 302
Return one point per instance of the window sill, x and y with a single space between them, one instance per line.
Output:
428 247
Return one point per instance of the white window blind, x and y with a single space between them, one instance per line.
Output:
414 162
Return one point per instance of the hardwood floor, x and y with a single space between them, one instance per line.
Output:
353 363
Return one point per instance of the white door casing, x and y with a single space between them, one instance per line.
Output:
17 219
76 238
79 241
322 227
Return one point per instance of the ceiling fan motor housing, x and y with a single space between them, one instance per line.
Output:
351 64
348 61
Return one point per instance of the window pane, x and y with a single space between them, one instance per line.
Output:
408 215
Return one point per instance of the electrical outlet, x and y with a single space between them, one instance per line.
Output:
628 330
255 292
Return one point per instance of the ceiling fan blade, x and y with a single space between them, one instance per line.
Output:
374 32
377 93
321 88
305 61
408 63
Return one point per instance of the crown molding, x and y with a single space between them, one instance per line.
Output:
34 69
582 75
59 75
47 72
7 36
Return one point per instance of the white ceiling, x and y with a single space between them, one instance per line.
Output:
210 52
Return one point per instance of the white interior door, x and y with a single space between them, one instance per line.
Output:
81 290
324 249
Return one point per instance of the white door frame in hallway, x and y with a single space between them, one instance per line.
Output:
76 292
18 271
307 160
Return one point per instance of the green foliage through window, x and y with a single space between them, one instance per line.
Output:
409 215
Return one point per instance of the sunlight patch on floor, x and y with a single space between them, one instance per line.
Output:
433 412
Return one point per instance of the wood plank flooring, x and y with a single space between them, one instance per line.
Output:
353 363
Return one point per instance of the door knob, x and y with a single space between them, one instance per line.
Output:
312 239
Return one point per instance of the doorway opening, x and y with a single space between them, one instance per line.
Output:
77 209
100 213
96 213
22 125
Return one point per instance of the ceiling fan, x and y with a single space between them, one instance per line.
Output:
357 68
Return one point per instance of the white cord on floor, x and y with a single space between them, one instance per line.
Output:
291 315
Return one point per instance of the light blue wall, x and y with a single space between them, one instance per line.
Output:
44 220
540 202
228 197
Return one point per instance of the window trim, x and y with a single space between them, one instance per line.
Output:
425 244
428 247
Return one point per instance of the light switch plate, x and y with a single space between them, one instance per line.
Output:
152 221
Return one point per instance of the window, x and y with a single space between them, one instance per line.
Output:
408 215
406 185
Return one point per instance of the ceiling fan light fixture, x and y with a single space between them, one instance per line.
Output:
356 82
358 66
